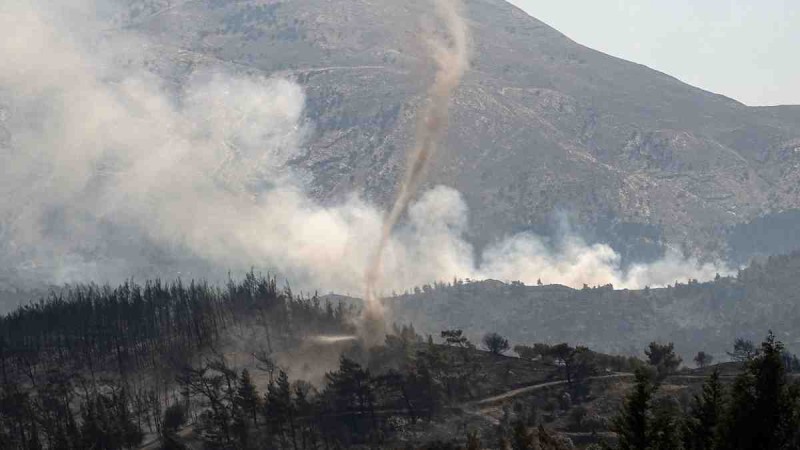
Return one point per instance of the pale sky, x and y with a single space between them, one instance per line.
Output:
745 49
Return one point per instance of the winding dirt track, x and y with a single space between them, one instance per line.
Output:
524 390
484 407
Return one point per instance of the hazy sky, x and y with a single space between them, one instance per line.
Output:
746 49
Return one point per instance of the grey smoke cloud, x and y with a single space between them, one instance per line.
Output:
106 170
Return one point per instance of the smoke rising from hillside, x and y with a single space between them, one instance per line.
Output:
108 171
451 58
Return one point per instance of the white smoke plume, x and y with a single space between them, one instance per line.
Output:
106 170
452 59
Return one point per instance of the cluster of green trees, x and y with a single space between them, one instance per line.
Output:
759 410
94 367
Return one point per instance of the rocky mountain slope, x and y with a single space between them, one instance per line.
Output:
541 124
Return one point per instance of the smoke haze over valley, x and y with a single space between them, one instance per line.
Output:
306 224
113 167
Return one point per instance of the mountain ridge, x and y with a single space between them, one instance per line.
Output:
542 126
715 313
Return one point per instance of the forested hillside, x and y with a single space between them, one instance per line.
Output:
695 316
164 365
248 366
95 367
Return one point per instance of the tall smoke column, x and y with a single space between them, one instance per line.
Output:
451 55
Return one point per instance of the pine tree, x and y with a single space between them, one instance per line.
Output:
95 428
666 426
280 409
304 409
663 358
241 428
247 397
705 415
130 435
633 423
763 411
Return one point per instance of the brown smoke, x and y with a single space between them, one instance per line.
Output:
451 56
